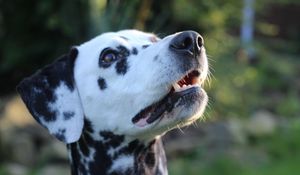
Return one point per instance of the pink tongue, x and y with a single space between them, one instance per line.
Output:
142 122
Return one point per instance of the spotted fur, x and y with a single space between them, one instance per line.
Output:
52 98
89 156
89 101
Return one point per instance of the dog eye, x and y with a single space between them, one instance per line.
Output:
108 56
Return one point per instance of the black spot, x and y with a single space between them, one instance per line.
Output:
134 145
112 139
107 135
101 83
88 126
60 135
83 145
114 173
68 115
89 139
134 51
37 94
155 58
38 90
102 161
129 171
150 159
123 51
73 53
121 66
145 46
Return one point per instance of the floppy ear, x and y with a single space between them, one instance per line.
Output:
52 98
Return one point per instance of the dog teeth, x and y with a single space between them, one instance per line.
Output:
176 86
184 87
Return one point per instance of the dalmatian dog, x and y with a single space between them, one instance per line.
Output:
111 99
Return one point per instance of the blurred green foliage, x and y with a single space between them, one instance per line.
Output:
237 89
282 157
3 171
33 33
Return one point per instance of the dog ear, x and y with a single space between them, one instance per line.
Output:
52 98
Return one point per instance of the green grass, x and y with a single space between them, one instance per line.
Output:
228 166
282 150
3 170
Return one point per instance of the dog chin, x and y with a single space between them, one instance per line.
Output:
186 110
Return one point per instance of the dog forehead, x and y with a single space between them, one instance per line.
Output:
125 38
135 35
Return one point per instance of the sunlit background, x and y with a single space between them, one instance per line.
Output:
252 124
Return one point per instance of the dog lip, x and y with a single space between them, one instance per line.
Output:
155 111
189 83
170 101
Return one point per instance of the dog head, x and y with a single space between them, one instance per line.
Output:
128 82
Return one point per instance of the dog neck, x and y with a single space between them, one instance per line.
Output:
115 155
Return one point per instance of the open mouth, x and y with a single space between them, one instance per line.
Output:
186 86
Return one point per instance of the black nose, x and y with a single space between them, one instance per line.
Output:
187 42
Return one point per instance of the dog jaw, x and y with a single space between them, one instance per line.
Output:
150 74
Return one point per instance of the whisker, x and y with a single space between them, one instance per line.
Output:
179 128
195 124
210 58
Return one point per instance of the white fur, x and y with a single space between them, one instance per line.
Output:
122 163
146 81
67 101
